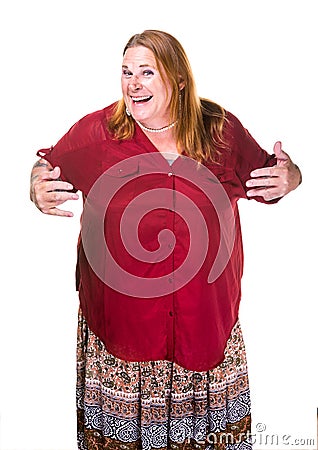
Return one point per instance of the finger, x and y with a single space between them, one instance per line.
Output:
51 200
51 186
59 185
274 171
55 173
47 188
264 172
267 193
262 182
281 156
57 197
278 149
44 175
57 212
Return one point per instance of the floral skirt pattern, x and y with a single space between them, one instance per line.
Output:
158 404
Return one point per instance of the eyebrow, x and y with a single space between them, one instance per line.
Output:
141 65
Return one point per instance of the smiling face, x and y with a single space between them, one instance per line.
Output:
146 94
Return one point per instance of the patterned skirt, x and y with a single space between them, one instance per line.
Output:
158 404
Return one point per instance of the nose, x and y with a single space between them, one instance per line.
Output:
134 83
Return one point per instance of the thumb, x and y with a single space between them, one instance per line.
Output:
281 156
55 173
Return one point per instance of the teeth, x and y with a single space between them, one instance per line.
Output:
139 99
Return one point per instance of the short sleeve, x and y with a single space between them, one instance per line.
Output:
50 156
75 153
248 154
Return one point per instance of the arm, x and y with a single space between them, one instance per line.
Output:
67 166
47 191
277 181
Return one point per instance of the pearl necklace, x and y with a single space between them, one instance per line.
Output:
156 130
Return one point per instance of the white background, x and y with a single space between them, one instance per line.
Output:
61 60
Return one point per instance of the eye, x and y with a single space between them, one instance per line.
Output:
126 73
148 72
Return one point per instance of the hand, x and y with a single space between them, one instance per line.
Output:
277 181
46 189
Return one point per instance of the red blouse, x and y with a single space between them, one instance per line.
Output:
160 255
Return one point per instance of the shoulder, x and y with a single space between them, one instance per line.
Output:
233 130
90 129
233 126
237 135
245 150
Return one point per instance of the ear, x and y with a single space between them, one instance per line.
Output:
181 83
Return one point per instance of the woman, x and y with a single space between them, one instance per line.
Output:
161 358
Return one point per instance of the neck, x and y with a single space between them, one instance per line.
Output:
164 142
156 130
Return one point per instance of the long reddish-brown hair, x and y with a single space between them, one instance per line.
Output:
198 131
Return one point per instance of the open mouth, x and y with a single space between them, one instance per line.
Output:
143 99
